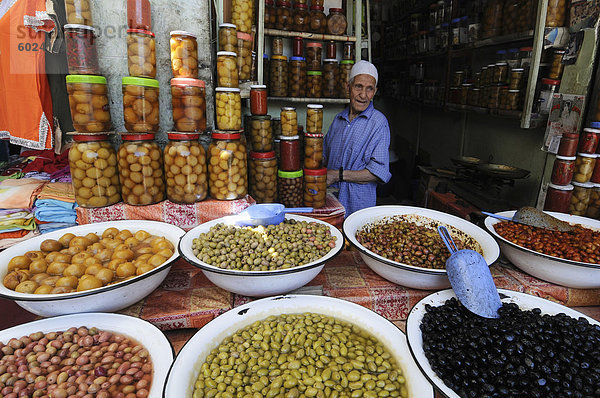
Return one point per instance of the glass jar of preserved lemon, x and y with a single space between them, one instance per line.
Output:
227 37
289 121
227 69
93 164
242 14
330 78
227 166
188 97
263 176
313 151
278 76
229 108
140 104
89 103
244 56
343 77
141 53
314 83
184 54
297 77
315 187
314 118
185 169
261 134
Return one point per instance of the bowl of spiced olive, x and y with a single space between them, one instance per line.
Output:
570 259
402 245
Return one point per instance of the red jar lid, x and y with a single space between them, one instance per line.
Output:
315 172
314 135
244 36
262 155
90 137
183 136
301 6
550 81
283 4
187 81
226 136
314 44
335 10
137 137
146 32
317 8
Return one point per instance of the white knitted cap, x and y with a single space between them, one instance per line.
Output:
363 68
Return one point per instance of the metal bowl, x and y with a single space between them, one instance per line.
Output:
557 270
405 274
108 298
259 283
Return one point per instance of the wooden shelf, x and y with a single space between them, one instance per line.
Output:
493 41
312 100
308 35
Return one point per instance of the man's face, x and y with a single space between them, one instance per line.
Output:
362 90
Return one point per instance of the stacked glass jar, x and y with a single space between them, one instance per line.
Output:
315 175
289 175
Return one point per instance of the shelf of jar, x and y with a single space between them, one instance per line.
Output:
417 57
311 100
426 102
308 35
493 41
508 114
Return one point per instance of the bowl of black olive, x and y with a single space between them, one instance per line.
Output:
536 348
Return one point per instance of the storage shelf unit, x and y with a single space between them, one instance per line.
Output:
311 100
308 35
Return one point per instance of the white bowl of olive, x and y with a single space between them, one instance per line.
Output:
265 260
102 267
297 345
402 245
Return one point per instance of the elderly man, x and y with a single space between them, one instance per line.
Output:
356 145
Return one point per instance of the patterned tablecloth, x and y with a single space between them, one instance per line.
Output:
186 299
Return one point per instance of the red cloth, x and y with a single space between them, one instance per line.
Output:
46 161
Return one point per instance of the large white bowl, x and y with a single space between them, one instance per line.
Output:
161 352
108 298
549 268
405 274
187 365
415 338
259 283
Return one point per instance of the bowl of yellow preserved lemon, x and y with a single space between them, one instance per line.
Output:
102 267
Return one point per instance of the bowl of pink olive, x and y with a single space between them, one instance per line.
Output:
402 245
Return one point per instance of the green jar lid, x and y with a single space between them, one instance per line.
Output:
290 174
140 81
314 73
85 79
347 61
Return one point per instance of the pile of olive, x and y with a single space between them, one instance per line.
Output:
264 248
78 12
76 263
301 355
520 354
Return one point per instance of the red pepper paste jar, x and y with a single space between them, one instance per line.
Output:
258 99
563 170
589 140
298 47
558 198
330 50
138 14
568 144
289 153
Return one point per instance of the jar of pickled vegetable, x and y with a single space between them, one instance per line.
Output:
258 99
473 96
140 104
330 78
138 14
596 173
229 108
227 69
500 73
297 77
290 188
279 76
516 78
492 18
244 56
593 210
184 54
185 169
141 53
93 164
348 51
568 144
584 167
298 47
301 18
289 121
514 100
336 22
464 93
318 20
79 12
82 57
313 151
557 13
228 37
141 170
315 187
494 100
188 97
289 148
580 198
314 118
589 140
563 169
261 134
314 55
277 45
314 83
285 20
270 14
227 167
263 177
558 198
88 102
556 68
343 77
242 15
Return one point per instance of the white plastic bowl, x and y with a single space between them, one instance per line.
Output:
415 338
161 352
259 283
186 367
405 274
108 298
561 271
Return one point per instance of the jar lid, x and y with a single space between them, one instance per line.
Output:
501 63
314 73
314 106
347 61
244 36
313 135
140 81
289 137
583 184
330 60
526 49
261 117
567 187
550 81
297 59
587 155
518 70
513 50
467 84
280 57
224 135
591 130
501 52
318 8
565 157
484 67
314 44
301 6
258 87
226 53
137 136
288 108
184 33
595 125
78 26
491 65
455 20
187 81
315 172
559 51
262 155
335 10
227 90
85 79
222 25
290 174
283 3
265 56
514 91
90 137
474 89
183 136
143 31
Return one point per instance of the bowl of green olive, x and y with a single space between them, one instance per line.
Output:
402 245
297 345
263 260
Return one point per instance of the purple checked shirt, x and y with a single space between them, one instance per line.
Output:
362 143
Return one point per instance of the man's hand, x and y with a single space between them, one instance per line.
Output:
333 176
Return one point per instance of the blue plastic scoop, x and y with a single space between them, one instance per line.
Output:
265 214
471 279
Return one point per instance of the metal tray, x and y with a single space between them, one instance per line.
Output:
466 161
502 171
